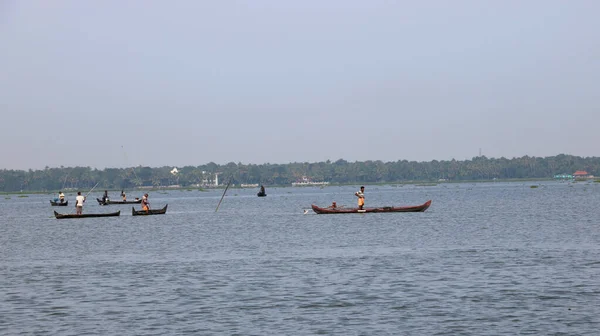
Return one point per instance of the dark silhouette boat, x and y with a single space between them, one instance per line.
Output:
340 210
53 203
149 212
110 214
262 192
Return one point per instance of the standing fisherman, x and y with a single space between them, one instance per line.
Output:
361 197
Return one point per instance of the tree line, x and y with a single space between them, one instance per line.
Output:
337 172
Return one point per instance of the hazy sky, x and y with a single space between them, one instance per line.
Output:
117 83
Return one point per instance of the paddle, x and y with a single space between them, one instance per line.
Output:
223 195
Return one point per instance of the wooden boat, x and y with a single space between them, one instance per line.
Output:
110 214
109 202
65 203
149 212
415 208
262 192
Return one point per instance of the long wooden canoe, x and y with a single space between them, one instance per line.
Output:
110 214
65 203
109 202
149 212
414 208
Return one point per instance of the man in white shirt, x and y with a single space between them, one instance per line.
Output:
79 203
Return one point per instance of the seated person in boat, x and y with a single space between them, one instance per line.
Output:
61 197
145 203
332 206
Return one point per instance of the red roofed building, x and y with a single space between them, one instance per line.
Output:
582 175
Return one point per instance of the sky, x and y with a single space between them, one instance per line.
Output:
121 83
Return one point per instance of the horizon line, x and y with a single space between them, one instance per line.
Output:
295 162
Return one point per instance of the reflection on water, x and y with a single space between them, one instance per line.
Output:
485 259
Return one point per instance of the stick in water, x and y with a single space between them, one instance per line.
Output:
223 195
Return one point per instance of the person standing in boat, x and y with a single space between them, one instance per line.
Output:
123 196
61 197
79 200
145 203
361 197
105 197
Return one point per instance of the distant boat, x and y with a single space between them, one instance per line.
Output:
415 208
110 214
148 212
262 192
109 202
54 203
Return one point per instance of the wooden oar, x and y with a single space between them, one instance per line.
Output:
223 195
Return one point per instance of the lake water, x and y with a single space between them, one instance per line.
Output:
484 259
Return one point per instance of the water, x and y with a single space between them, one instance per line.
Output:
485 259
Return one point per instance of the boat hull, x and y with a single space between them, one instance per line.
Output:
118 202
415 208
110 214
65 203
149 212
261 194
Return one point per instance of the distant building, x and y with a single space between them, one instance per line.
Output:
305 181
582 175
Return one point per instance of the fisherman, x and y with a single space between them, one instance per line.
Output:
61 196
123 196
79 200
105 197
145 204
361 197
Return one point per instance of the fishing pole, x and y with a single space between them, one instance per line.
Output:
86 195
65 181
127 163
223 195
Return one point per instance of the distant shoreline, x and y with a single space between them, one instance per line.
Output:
424 183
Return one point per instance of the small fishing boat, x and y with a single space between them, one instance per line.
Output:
262 192
110 214
54 203
149 212
414 208
109 202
